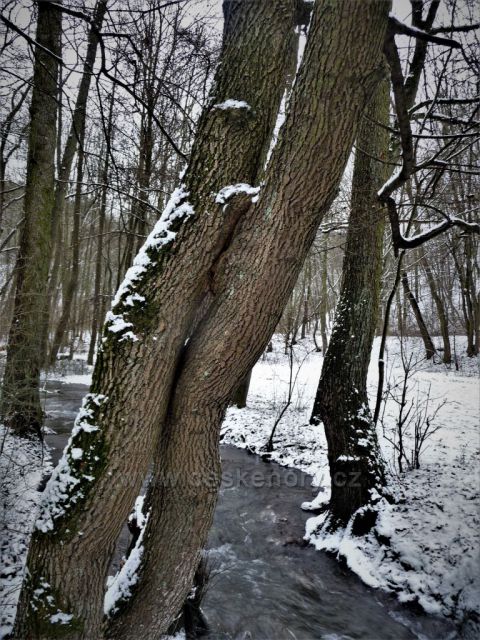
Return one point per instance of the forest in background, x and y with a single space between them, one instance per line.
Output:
142 110
177 188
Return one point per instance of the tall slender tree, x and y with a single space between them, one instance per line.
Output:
424 333
20 392
441 309
73 276
76 136
97 306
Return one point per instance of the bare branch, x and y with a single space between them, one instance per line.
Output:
398 27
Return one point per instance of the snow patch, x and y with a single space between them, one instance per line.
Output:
233 189
161 235
23 464
119 586
60 487
61 618
232 104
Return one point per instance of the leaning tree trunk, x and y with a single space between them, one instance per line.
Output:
229 255
83 511
427 340
341 66
341 402
20 393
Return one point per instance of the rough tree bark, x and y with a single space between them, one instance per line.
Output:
83 510
241 261
240 395
341 402
341 68
20 392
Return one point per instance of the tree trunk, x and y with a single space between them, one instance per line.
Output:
119 424
20 394
427 341
324 296
75 265
341 402
441 311
77 132
228 256
342 59
97 303
239 398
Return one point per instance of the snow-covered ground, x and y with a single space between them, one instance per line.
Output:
22 466
425 547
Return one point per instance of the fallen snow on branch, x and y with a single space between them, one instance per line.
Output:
233 189
161 235
119 586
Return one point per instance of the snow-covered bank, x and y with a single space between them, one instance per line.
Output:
425 548
22 466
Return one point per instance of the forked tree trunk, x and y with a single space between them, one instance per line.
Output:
161 297
229 256
20 392
341 402
252 285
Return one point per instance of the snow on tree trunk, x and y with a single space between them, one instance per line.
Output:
95 485
341 68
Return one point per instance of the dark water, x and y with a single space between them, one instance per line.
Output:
265 584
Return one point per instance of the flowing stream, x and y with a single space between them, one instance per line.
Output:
265 583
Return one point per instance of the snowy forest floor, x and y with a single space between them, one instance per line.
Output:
424 547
